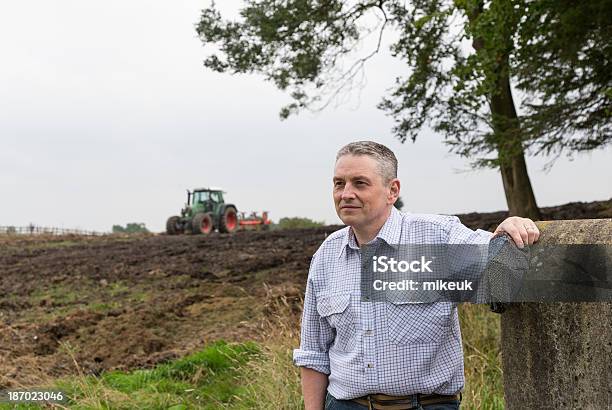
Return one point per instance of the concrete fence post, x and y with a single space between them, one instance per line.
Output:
559 355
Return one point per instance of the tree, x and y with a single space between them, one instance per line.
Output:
132 227
399 203
296 223
463 55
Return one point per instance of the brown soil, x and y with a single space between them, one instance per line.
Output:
74 304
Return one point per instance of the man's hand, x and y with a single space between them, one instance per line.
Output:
523 231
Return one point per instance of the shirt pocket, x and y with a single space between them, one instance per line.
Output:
337 311
418 322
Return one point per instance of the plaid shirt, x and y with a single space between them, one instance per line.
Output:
376 347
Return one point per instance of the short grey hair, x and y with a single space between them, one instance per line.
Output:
387 162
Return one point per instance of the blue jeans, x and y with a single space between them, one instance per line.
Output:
331 403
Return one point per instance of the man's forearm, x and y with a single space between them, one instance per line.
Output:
314 385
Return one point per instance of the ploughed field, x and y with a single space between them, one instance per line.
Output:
123 302
72 305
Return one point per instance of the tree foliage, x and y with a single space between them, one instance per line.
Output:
563 64
399 203
557 52
132 227
296 222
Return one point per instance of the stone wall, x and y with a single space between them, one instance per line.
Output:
559 355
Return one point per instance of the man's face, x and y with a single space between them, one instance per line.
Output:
361 197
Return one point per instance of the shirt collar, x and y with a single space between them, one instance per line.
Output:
390 232
392 229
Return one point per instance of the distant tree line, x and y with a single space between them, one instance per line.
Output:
296 223
133 227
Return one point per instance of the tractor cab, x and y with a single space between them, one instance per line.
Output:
203 200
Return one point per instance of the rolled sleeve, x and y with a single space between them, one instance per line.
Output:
313 360
316 334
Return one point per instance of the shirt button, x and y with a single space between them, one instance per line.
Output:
370 365
368 332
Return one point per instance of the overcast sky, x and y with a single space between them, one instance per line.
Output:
107 115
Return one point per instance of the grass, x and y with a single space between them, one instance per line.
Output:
51 244
103 307
262 376
55 301
282 387
59 294
208 379
118 288
481 331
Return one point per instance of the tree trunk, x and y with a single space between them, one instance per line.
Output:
517 185
506 126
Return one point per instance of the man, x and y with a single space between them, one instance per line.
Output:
356 354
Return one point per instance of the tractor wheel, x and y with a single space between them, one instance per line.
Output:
173 225
229 220
202 223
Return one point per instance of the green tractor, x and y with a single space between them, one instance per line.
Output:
205 212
